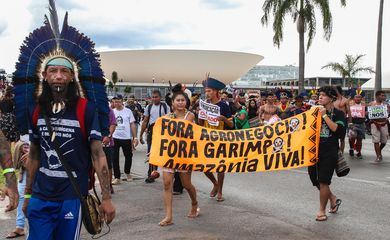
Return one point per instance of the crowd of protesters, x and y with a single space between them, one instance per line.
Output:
344 114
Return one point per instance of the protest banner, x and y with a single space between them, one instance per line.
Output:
287 144
209 112
377 112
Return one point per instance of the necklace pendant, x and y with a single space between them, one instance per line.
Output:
53 136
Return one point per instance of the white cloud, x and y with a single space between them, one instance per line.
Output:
202 24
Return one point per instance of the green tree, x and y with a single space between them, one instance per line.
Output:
349 68
378 66
114 79
110 86
127 90
303 14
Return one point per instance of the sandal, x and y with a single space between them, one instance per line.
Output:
220 199
335 208
197 211
165 223
14 234
321 218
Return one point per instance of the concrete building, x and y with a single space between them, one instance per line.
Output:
141 71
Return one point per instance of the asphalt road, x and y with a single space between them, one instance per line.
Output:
271 205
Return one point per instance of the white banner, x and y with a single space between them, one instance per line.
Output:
376 112
209 112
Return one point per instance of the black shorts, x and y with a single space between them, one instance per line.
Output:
322 172
108 151
344 133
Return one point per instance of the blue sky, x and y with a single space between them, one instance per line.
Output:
231 25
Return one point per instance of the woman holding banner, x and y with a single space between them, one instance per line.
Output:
332 128
179 102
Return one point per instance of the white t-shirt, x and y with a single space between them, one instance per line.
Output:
155 112
124 118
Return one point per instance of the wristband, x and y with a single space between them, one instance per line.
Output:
324 116
27 196
8 170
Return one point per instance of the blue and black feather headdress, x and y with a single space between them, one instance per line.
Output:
46 43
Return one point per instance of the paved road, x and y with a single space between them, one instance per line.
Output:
272 205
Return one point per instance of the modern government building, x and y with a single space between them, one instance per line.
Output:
142 71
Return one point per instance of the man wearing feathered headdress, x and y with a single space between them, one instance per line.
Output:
357 129
284 108
313 97
65 128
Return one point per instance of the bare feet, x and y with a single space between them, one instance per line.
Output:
194 212
165 222
214 192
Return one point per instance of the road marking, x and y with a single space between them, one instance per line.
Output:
378 183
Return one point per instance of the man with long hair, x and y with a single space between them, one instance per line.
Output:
65 124
47 182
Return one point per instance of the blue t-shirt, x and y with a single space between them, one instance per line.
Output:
51 181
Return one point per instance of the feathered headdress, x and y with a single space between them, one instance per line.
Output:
47 43
313 92
356 91
283 93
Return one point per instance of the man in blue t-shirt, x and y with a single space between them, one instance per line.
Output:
51 203
212 88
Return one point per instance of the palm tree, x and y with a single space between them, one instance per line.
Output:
378 66
303 13
349 68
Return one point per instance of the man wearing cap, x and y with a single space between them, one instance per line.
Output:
212 88
299 106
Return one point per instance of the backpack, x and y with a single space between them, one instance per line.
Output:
164 105
80 115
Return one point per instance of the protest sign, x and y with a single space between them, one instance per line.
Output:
287 144
209 112
377 112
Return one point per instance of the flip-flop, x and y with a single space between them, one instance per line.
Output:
15 235
321 218
221 199
165 223
335 208
196 214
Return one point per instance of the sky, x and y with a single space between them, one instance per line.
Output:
229 25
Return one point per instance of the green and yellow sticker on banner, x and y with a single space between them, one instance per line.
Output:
287 144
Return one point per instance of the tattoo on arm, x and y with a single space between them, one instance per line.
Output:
101 169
